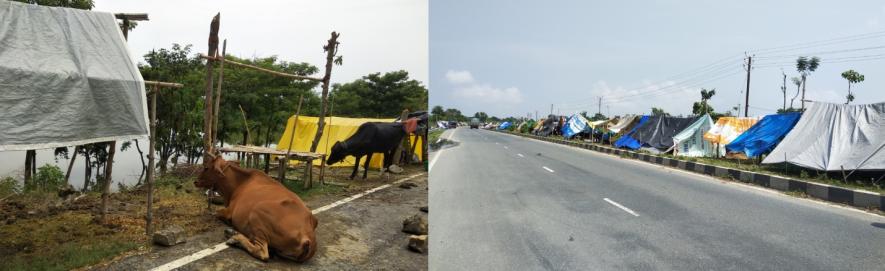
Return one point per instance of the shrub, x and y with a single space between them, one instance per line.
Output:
8 186
48 178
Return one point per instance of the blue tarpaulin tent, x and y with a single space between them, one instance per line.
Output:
575 125
504 125
764 135
627 140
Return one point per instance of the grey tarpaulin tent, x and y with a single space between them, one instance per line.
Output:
66 78
832 136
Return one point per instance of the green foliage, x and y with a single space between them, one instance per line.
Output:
853 77
597 116
658 112
379 96
78 4
267 100
437 113
482 116
8 186
49 178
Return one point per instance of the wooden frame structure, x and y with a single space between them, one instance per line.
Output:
149 180
213 98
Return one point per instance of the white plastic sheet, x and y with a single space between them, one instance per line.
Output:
835 136
66 78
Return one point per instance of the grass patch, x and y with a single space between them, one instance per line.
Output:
316 190
434 135
68 256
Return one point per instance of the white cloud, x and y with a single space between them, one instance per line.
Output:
459 77
491 95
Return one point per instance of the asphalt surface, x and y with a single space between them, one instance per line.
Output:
502 202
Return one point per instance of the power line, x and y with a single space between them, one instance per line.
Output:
821 42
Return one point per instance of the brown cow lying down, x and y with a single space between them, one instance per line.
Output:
263 211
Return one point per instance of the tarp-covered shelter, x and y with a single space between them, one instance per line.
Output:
336 129
66 78
727 129
690 141
623 122
576 124
548 126
657 133
627 140
505 125
835 136
764 135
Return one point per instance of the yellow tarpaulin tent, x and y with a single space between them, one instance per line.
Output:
337 129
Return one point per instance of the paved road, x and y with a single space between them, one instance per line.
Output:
502 202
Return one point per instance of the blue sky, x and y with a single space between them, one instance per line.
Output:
510 58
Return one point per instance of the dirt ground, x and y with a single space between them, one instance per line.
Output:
361 235
40 232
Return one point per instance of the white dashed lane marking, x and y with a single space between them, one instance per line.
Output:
621 206
548 169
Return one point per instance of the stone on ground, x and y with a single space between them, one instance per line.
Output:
395 169
415 224
170 236
418 243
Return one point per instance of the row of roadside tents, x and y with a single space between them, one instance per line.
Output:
825 136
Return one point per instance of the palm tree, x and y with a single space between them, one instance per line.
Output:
798 83
853 77
806 66
705 96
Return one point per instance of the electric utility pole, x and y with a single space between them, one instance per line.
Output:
749 67
600 105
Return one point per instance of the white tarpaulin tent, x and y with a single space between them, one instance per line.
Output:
690 142
623 122
66 78
832 136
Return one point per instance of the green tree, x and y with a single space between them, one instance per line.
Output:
78 4
437 112
659 112
798 82
453 114
49 178
805 66
852 77
598 116
379 96
482 116
702 107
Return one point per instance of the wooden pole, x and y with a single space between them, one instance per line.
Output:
151 162
207 115
218 94
246 125
71 165
244 65
397 155
331 49
284 162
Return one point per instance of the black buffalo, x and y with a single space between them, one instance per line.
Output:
370 138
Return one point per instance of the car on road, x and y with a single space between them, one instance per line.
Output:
474 123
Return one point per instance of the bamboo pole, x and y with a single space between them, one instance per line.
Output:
207 115
246 125
151 162
217 106
244 65
284 164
